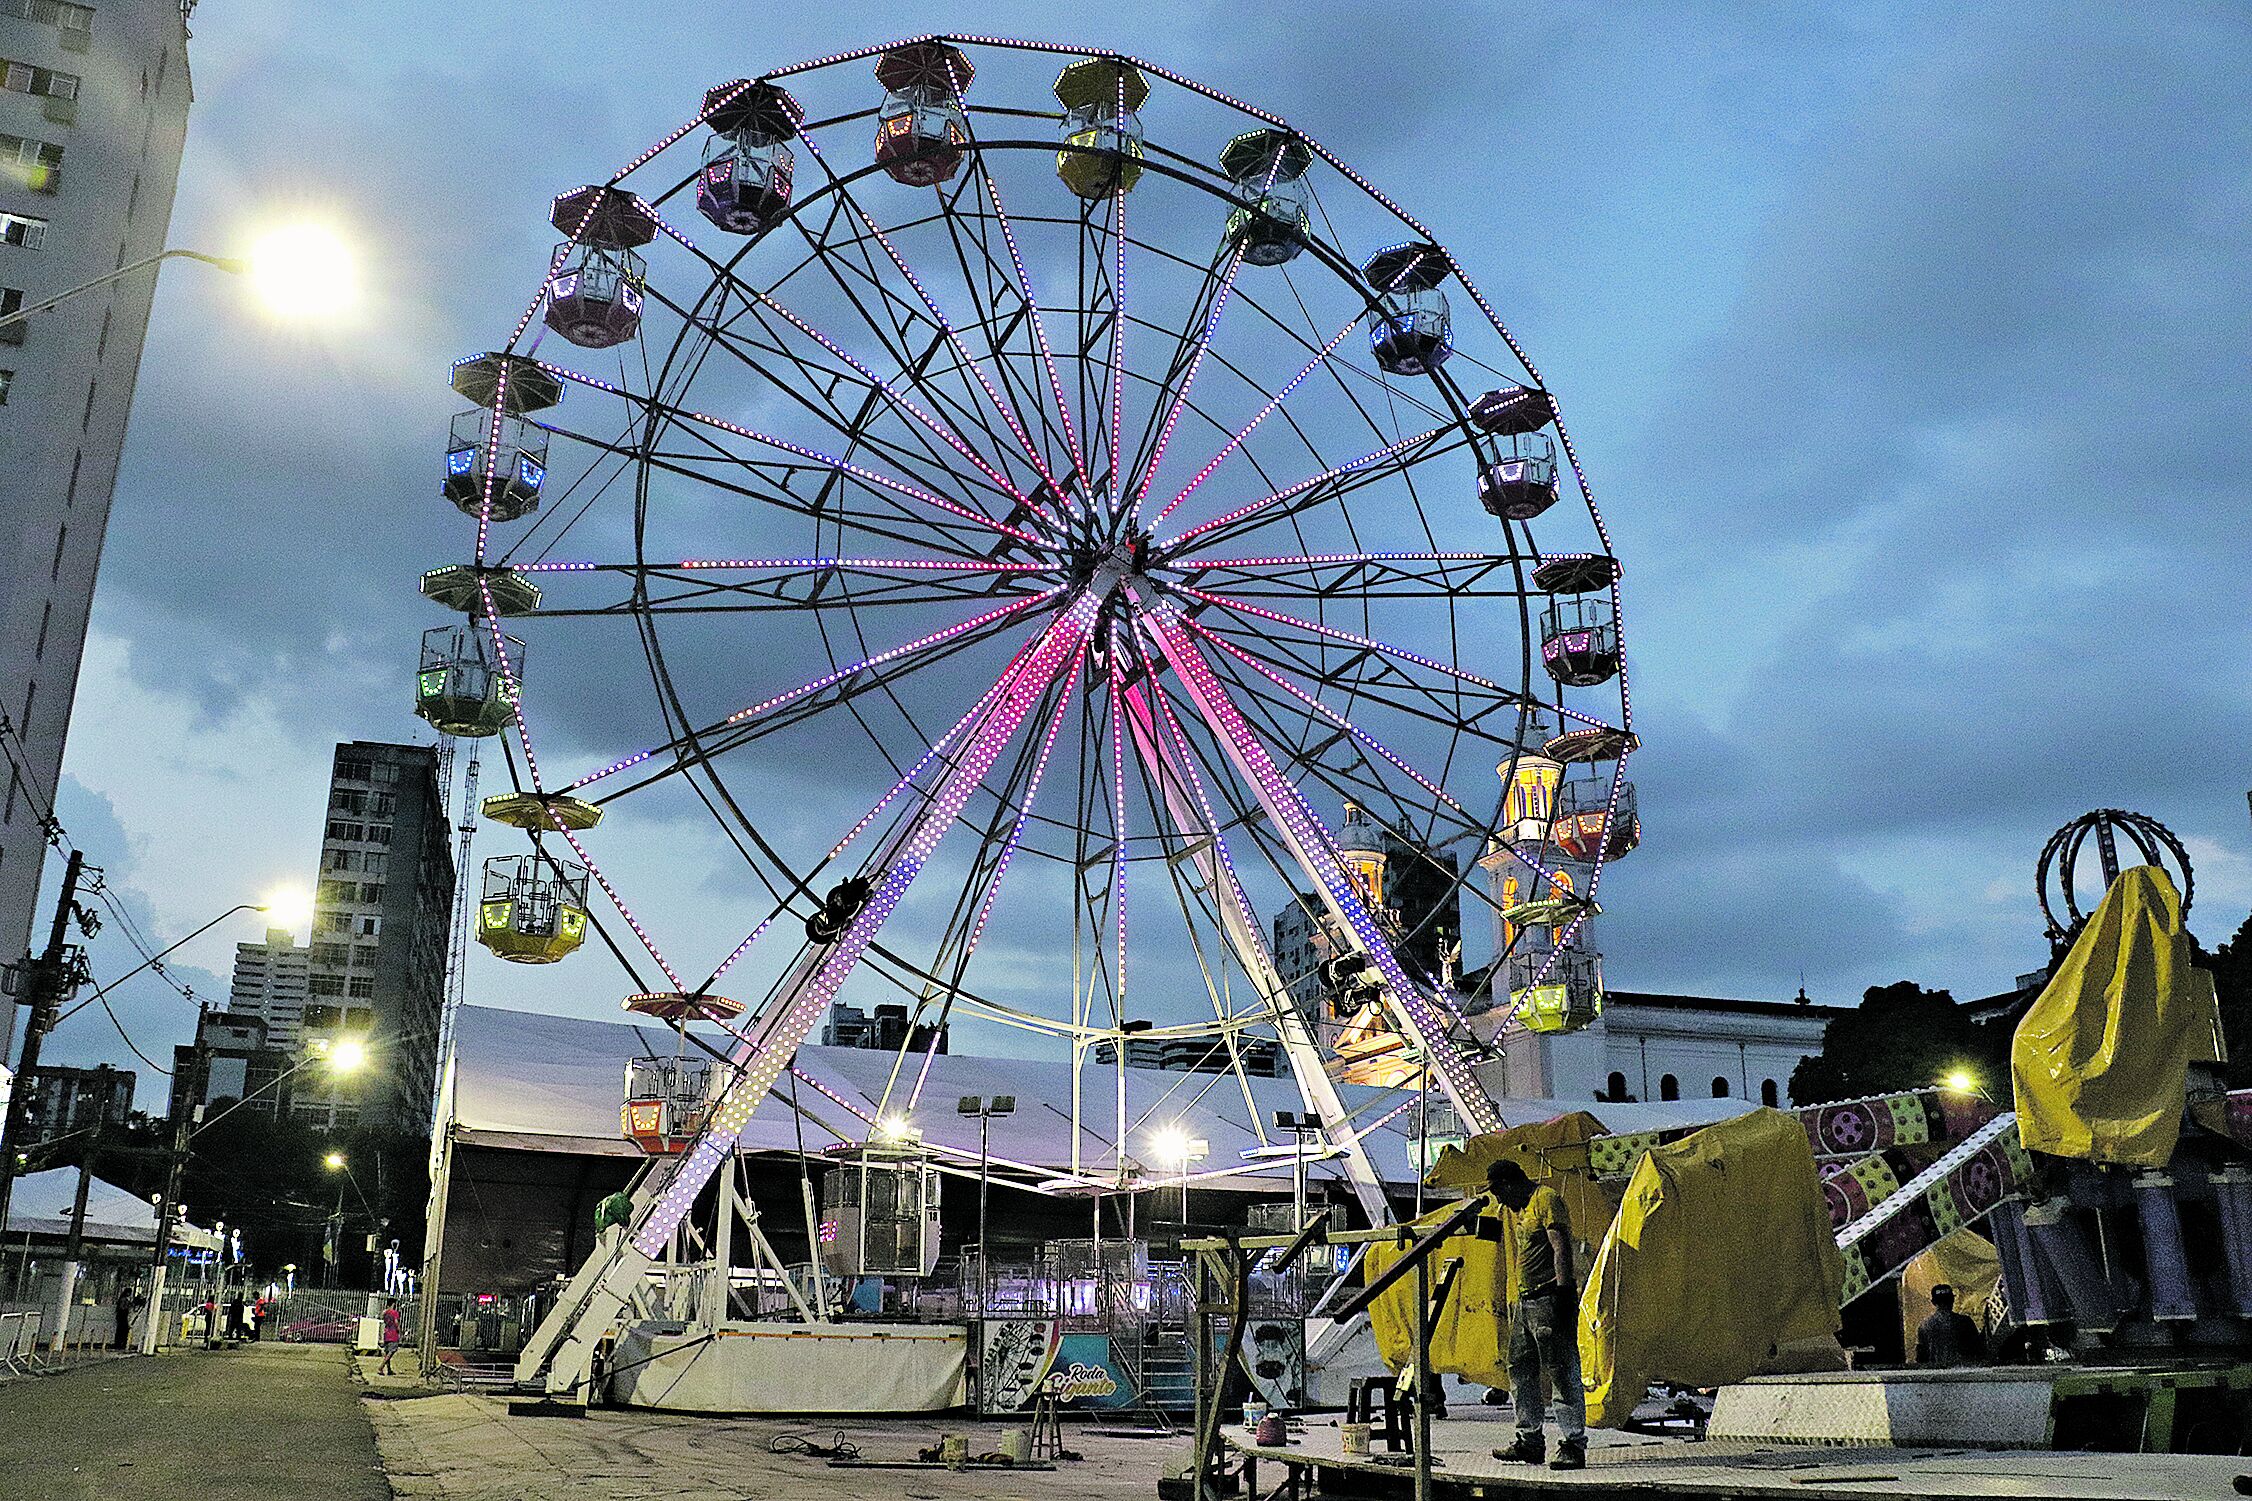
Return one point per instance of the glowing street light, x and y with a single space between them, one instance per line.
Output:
288 907
1174 1145
299 271
334 1162
303 271
1959 1081
347 1055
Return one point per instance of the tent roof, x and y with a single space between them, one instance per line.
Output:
551 1083
40 1204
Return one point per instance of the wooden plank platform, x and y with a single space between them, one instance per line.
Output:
1626 1465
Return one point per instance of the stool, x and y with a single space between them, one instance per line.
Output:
1360 1407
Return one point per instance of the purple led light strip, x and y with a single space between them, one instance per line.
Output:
1235 441
1391 450
1118 819
830 679
1039 329
1329 714
1316 851
532 765
1118 329
1188 378
842 466
1001 865
822 971
1002 409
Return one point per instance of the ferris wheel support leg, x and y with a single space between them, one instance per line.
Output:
1411 1005
559 1354
1228 899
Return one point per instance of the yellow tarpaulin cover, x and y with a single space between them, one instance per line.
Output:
1965 1261
1471 1339
2101 1059
1472 1336
1721 1251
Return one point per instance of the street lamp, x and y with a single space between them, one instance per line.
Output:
281 903
301 270
1173 1144
987 1108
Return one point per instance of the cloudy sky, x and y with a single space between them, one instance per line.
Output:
1905 351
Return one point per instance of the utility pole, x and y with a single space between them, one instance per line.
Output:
187 1105
51 981
75 1245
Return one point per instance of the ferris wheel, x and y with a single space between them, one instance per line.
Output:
1067 517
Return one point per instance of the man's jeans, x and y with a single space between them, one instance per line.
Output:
1544 1339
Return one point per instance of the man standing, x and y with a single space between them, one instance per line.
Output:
1947 1338
1544 1321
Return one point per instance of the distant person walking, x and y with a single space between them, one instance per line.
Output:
1948 1338
1544 1322
128 1301
394 1334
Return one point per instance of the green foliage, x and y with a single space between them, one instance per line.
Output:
1902 1036
2231 965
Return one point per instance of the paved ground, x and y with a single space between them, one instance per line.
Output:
467 1448
267 1422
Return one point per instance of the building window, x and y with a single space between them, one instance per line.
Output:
1768 1094
36 166
46 617
341 829
1617 1086
325 985
6 377
1669 1088
362 986
27 78
371 892
55 569
79 18
22 229
1719 1088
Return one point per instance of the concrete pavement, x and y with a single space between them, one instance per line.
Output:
266 1422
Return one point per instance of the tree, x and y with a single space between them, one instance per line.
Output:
1901 1036
2231 965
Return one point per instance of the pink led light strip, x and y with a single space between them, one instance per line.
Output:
830 679
1326 712
1039 329
1001 408
821 972
1316 851
1001 865
841 466
1391 450
532 765
1236 440
794 565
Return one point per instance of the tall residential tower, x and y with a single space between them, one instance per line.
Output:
93 112
377 966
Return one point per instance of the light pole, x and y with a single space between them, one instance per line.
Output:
986 1108
286 903
1297 1123
1174 1144
299 270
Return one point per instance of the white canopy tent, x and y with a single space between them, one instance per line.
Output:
534 1082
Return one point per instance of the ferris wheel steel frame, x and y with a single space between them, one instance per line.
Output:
1037 519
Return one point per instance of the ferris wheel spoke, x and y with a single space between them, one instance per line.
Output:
1486 714
1188 359
1002 409
792 584
1350 638
991 861
800 999
696 423
1342 723
1274 403
1329 485
1418 1009
794 705
1355 576
875 383
1072 446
